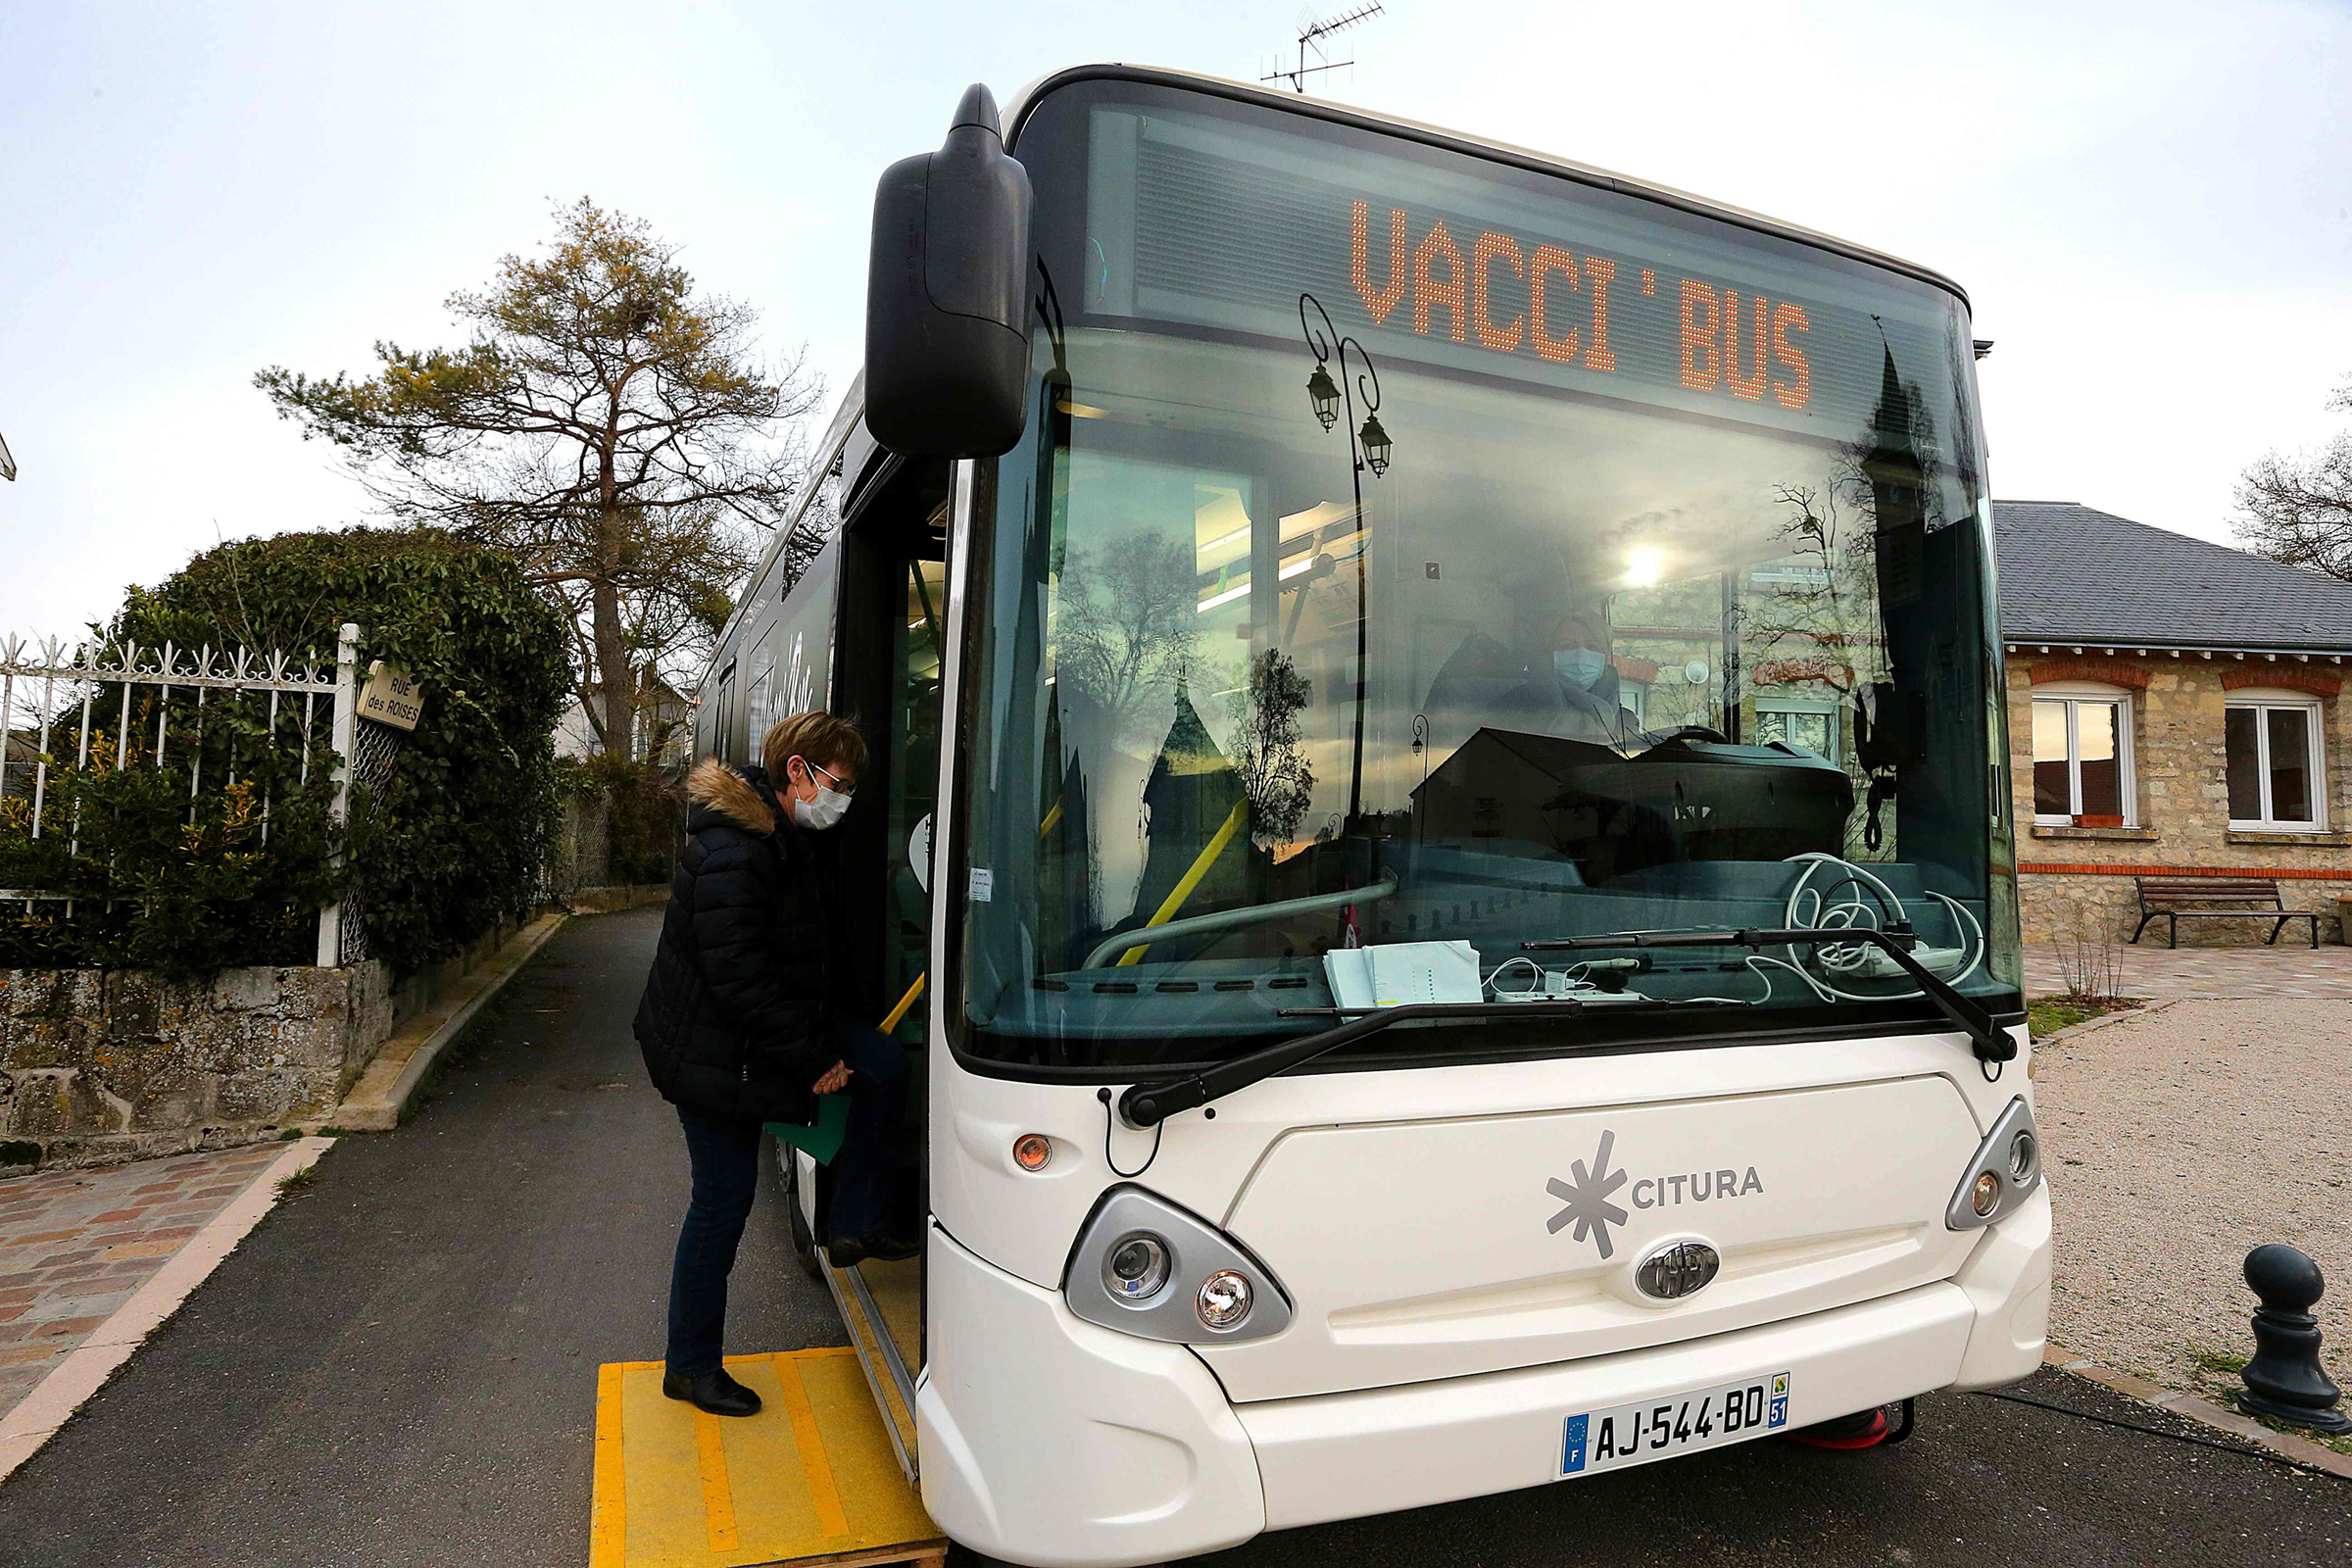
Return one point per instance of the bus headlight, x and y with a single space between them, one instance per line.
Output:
1145 1266
1136 1269
2005 1173
1223 1300
1985 1196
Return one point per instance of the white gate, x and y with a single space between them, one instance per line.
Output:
51 690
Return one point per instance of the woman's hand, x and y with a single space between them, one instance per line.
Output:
835 1080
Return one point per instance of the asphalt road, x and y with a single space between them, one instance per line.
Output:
399 1367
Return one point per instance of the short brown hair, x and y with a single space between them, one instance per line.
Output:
828 740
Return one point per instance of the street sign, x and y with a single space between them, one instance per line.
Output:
391 696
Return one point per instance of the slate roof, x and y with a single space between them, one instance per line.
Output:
2072 574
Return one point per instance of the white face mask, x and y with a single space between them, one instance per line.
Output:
1578 667
823 812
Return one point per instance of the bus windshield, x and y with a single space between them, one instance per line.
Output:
1412 555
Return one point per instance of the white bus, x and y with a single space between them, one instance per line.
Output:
1439 800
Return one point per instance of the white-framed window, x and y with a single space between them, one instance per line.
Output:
2083 757
2274 762
1809 724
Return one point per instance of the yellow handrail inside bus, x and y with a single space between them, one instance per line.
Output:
898 1013
1183 890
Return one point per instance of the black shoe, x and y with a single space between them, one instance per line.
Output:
848 1252
714 1392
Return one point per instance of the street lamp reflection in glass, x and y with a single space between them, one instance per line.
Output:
1376 445
1326 395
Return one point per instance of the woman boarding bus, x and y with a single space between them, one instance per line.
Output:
1443 817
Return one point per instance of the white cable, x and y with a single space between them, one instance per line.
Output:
1844 958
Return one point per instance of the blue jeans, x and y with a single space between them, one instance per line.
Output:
725 1158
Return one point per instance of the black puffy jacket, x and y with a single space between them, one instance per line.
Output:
734 1022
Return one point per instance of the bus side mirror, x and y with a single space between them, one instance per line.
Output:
947 327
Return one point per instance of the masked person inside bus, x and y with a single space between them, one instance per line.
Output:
742 1024
1562 681
1571 687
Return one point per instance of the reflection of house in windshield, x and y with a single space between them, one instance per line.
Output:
1509 792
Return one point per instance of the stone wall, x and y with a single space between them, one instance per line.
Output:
101 1065
98 1065
2181 796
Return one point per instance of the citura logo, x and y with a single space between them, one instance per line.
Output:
1589 1207
1587 1197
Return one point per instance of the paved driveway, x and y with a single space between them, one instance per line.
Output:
2179 1138
2153 970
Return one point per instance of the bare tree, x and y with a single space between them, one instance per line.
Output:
2298 510
1129 624
603 423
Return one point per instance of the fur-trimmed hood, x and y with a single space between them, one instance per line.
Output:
742 799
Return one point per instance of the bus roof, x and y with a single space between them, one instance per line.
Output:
1438 135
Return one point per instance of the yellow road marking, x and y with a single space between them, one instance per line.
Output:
608 1515
819 1470
718 1501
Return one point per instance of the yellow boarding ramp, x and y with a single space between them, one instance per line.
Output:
809 1480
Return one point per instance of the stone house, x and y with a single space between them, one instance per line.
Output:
2172 712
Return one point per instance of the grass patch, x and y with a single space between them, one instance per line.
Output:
302 1181
2218 1377
2217 1364
2046 1015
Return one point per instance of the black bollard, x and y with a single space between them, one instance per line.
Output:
2286 1381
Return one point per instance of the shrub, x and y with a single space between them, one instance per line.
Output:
164 878
454 839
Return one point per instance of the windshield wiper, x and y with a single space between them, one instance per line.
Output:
1144 1104
1991 1041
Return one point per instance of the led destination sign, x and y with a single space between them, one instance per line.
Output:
1540 283
1448 261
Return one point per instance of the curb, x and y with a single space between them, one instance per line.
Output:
383 1090
2147 1009
53 1400
2300 1450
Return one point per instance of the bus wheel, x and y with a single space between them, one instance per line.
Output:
804 1244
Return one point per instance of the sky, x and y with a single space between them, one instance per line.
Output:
2149 203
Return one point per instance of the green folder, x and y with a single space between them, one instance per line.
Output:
821 1139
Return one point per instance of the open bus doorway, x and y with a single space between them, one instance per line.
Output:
888 649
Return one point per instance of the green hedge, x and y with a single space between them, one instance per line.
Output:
454 840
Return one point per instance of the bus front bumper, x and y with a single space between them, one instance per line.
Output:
1048 1441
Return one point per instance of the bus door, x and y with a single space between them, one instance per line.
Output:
889 658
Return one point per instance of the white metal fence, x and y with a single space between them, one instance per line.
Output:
55 697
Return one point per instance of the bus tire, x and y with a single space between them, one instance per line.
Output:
804 1244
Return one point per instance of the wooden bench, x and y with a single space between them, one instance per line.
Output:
2249 897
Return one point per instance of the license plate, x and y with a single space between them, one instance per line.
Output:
1704 1418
